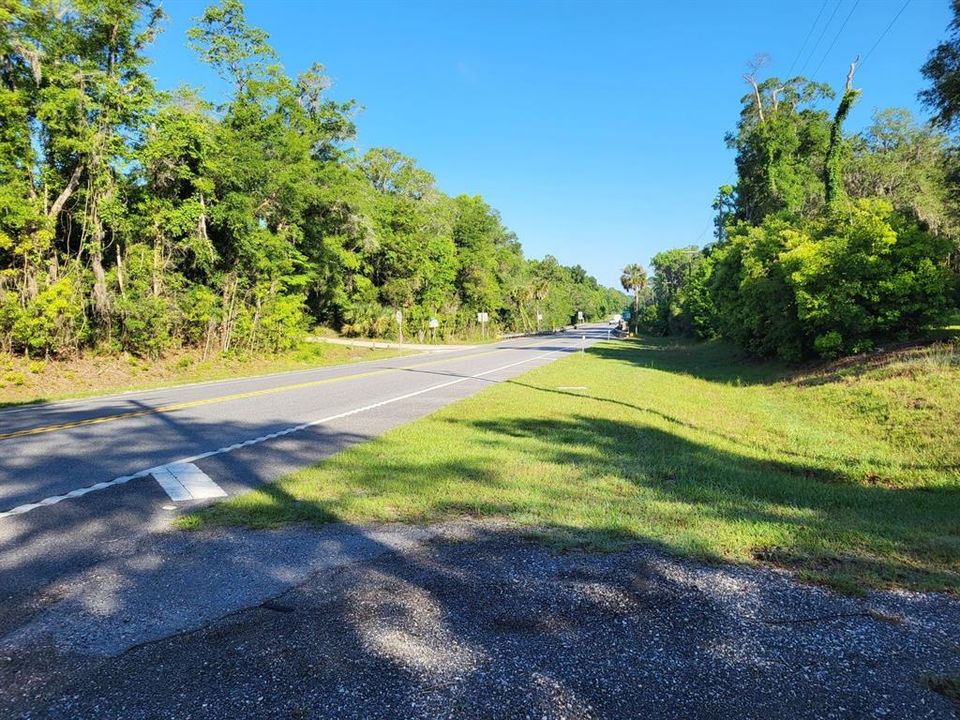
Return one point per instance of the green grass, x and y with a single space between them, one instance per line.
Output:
848 474
25 382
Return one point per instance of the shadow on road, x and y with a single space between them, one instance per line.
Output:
475 622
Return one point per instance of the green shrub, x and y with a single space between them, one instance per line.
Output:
15 378
829 287
51 321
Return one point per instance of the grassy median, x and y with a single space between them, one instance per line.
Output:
848 474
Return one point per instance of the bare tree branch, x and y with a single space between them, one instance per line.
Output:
853 69
66 192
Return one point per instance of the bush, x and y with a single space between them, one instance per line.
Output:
755 306
145 325
202 312
15 378
282 323
51 321
829 287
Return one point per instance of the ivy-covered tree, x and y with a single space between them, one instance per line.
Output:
827 244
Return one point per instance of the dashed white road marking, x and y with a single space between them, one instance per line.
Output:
185 481
19 510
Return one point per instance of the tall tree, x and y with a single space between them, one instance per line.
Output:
836 152
942 69
634 281
781 143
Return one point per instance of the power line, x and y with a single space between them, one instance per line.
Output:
703 232
885 31
835 38
822 33
807 38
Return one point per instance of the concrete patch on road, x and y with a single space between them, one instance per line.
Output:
173 582
185 481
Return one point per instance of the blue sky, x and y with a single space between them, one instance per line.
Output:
596 128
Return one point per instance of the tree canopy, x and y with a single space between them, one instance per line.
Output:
828 243
139 220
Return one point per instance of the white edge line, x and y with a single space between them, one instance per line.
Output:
53 500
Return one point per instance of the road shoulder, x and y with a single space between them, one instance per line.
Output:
378 621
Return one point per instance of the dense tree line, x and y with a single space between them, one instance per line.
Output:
828 243
139 220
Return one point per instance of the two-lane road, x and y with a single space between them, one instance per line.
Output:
81 481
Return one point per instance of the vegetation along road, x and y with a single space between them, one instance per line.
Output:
731 490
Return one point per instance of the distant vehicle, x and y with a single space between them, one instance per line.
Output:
614 320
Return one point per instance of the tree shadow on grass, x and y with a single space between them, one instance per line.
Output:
844 534
712 360
626 481
812 465
720 362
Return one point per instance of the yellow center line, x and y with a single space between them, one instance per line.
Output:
173 407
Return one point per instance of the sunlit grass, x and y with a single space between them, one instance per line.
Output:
849 474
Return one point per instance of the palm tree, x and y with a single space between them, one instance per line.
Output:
634 280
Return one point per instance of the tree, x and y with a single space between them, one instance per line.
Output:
138 220
781 144
725 206
942 69
673 270
836 244
836 152
634 280
910 165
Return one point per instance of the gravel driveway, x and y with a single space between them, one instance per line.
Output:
475 622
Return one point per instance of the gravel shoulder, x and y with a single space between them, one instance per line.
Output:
464 620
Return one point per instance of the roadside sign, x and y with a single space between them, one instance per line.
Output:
539 317
399 317
625 315
482 317
579 315
434 323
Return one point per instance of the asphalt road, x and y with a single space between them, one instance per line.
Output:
77 479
